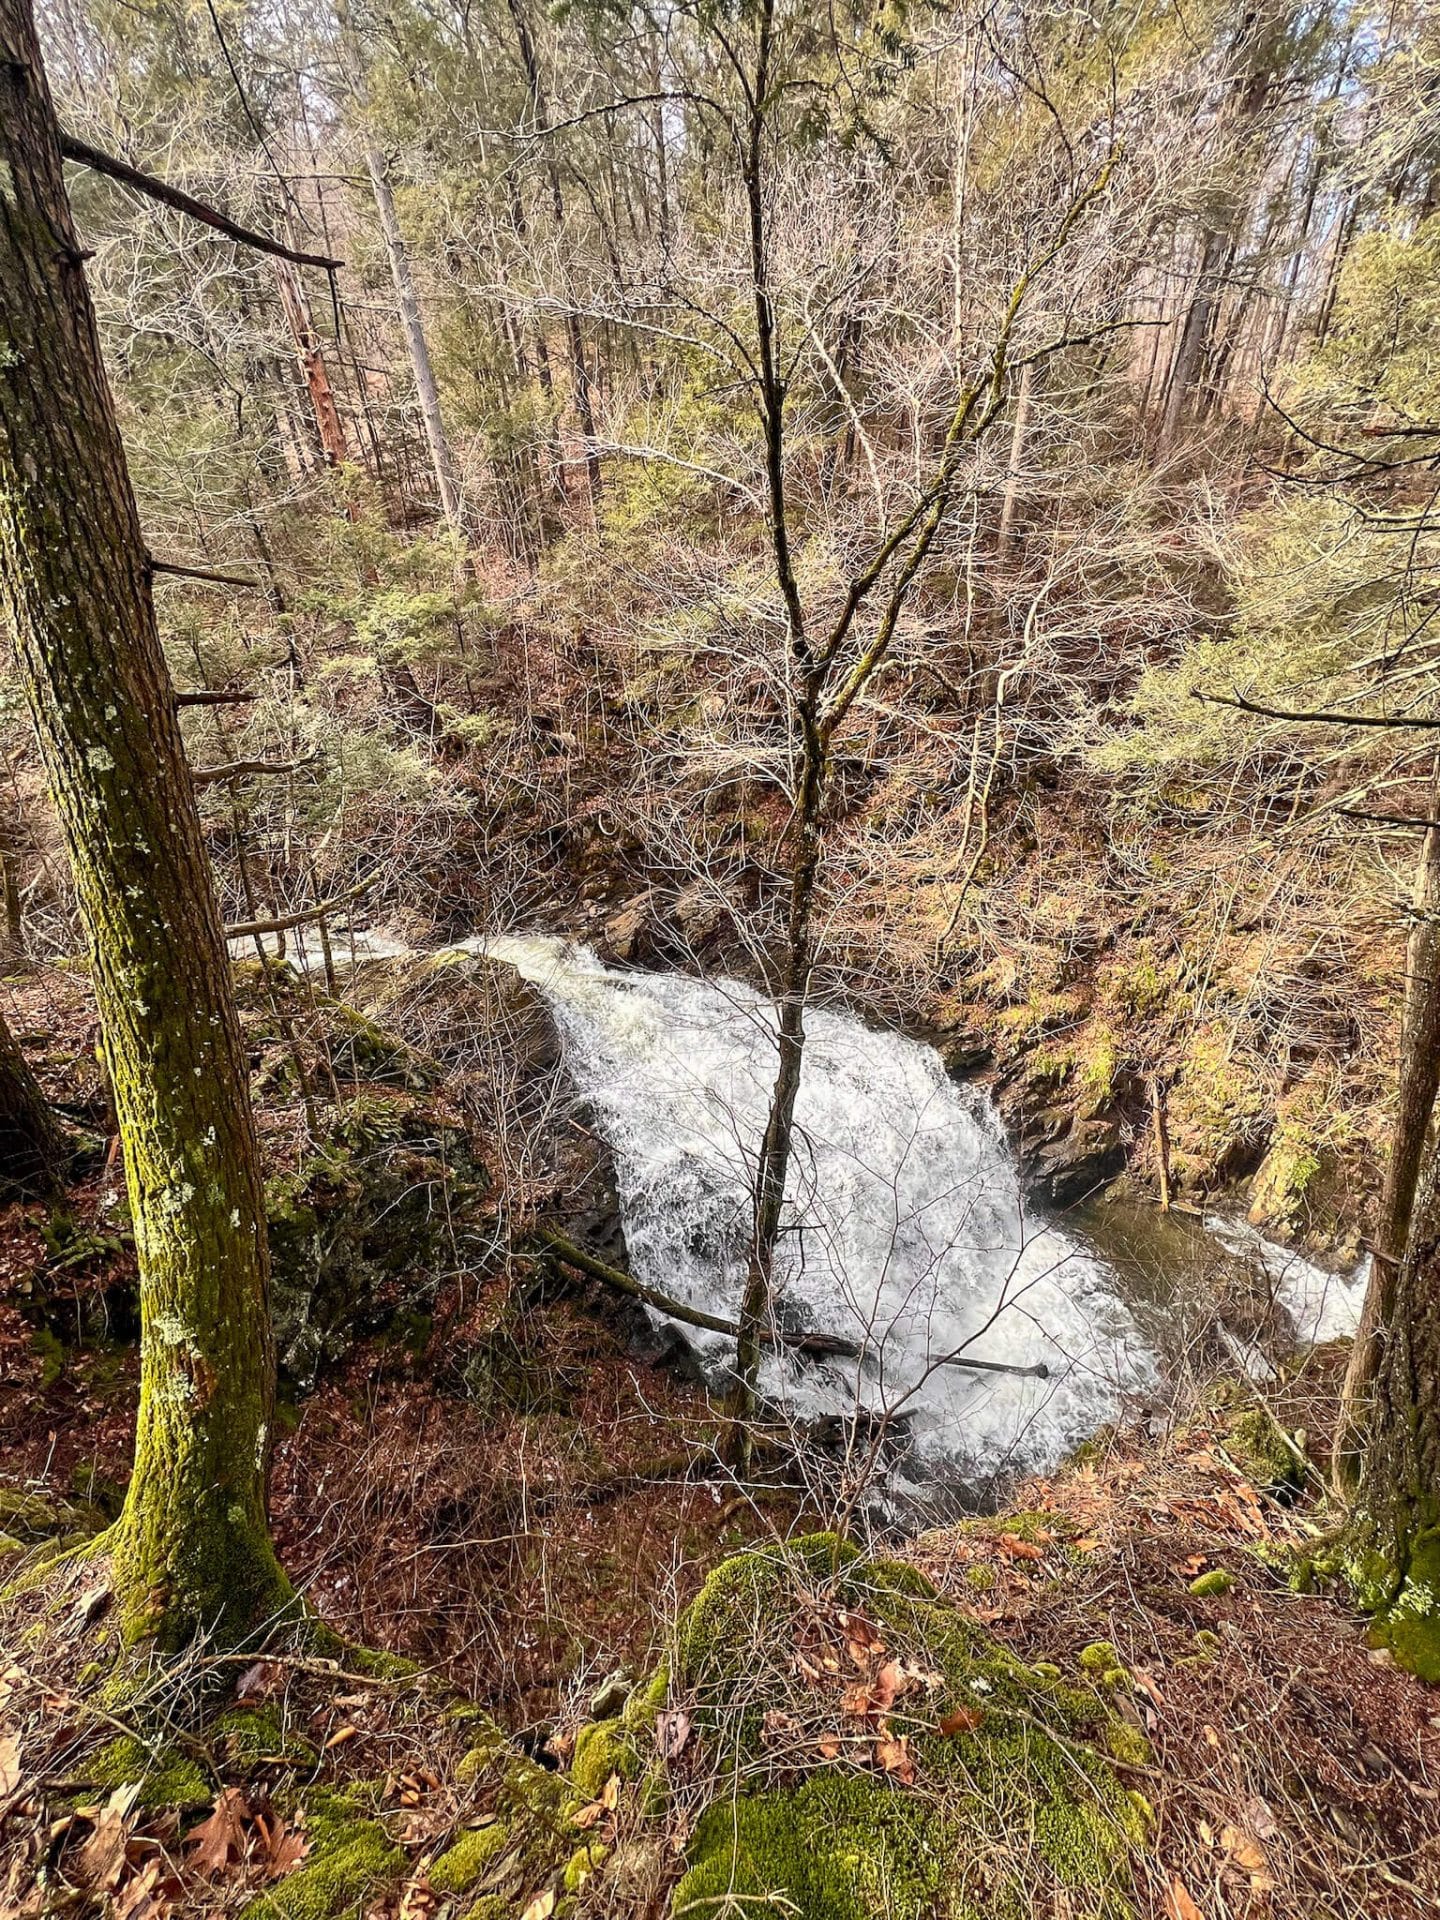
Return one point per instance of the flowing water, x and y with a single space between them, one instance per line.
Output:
905 1228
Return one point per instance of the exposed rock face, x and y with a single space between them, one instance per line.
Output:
625 933
1068 1148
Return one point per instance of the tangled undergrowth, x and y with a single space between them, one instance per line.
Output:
1109 1702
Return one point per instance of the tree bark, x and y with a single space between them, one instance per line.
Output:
32 1147
1393 1550
191 1548
1419 1080
1194 339
1010 501
312 364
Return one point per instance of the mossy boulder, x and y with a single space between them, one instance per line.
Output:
31 1517
987 1790
1212 1585
247 1739
1261 1451
459 1010
358 1231
603 1750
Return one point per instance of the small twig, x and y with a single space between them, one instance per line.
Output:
212 697
201 573
1386 819
239 769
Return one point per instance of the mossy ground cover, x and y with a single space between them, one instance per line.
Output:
1093 1719
874 1751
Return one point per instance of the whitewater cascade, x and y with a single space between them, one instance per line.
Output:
905 1228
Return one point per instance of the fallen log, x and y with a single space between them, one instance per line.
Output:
820 1344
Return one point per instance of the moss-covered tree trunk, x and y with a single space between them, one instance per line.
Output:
191 1547
1418 1079
32 1148
1395 1538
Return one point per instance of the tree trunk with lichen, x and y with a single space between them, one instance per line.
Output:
1418 1080
191 1548
32 1147
1394 1541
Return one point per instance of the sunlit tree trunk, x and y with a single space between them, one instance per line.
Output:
312 364
191 1549
428 394
579 367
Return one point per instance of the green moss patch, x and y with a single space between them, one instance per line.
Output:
168 1778
981 1788
461 1865
351 1859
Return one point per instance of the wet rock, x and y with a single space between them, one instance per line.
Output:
625 933
1076 1163
700 913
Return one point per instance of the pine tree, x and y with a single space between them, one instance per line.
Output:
191 1549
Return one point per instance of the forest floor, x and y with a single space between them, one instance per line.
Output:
517 1490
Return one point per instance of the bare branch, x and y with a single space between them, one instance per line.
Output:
99 162
1330 719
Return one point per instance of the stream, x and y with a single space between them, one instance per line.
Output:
905 1228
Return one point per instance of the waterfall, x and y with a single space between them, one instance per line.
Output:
904 1223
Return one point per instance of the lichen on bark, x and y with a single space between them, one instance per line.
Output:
1391 1551
191 1551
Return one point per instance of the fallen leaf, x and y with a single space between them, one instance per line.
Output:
150 1894
258 1680
1017 1549
541 1907
1261 1820
609 1799
221 1835
962 1720
101 1860
830 1749
1145 1681
9 1765
672 1730
1178 1904
892 1756
339 1738
889 1683
1247 1853
285 1848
